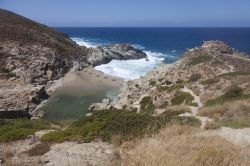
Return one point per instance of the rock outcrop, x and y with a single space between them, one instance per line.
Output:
102 55
209 71
32 55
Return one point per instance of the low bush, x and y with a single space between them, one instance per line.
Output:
12 130
147 105
199 59
209 81
107 123
194 77
182 98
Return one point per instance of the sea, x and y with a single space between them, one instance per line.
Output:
162 45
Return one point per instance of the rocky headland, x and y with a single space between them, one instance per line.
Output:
209 71
33 56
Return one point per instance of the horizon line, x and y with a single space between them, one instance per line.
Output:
150 27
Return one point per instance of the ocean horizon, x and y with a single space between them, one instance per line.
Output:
162 45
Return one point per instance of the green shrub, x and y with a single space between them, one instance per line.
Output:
12 130
182 97
194 77
199 59
107 123
170 89
147 105
209 81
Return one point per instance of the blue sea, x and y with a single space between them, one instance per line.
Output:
162 45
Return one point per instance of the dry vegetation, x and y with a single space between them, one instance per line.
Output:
235 114
184 146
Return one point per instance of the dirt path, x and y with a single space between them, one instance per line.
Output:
194 110
237 136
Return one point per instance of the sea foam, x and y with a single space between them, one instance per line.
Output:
127 69
83 42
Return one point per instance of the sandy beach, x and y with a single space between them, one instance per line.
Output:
87 81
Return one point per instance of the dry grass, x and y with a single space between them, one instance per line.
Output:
234 114
184 146
212 126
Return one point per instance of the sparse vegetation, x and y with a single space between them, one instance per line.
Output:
235 114
107 123
236 73
234 93
199 59
182 98
38 150
152 82
194 77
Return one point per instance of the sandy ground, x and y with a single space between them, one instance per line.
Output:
88 80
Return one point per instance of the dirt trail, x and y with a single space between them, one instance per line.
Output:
237 136
194 110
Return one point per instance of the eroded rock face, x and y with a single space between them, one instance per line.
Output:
103 55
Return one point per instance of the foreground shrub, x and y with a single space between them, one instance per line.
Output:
12 130
107 123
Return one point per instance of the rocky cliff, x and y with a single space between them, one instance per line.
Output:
32 55
209 71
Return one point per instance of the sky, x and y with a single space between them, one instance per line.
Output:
134 13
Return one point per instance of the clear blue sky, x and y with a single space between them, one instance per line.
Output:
134 13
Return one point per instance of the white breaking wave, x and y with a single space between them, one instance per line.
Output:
83 42
131 69
128 69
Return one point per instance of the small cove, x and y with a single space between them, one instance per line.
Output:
78 90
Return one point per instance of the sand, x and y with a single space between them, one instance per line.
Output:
86 81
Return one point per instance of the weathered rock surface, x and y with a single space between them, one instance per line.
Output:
208 71
32 55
